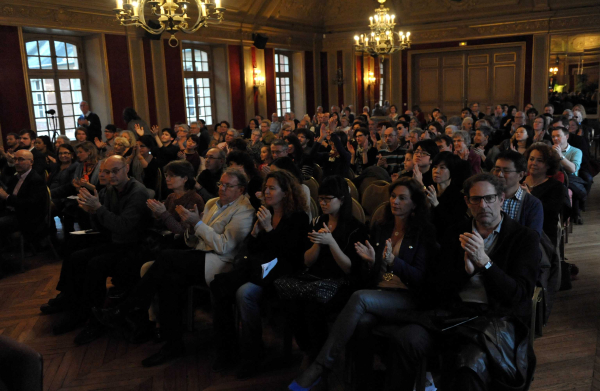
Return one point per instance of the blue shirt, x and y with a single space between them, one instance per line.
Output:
573 155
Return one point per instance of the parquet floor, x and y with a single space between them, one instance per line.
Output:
568 354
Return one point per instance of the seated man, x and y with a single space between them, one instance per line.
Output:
207 180
488 272
570 161
121 220
22 201
217 235
519 204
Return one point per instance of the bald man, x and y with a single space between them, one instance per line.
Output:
121 218
22 199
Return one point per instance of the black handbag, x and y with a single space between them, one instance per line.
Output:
309 287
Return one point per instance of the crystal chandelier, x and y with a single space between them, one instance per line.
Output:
172 15
382 39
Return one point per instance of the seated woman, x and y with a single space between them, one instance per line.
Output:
403 243
179 176
445 195
542 163
191 155
254 146
147 162
462 140
87 172
252 125
364 155
60 183
285 163
540 129
265 160
331 254
80 136
244 162
43 145
521 140
277 234
62 139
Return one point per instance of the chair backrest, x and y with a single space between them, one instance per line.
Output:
350 174
314 209
48 208
357 211
318 173
368 182
353 189
378 214
375 195
313 187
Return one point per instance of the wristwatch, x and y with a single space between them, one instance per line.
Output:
562 157
488 265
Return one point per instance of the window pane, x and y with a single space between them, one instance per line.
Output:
40 124
36 84
76 96
33 62
73 63
187 66
69 122
61 63
39 111
204 57
49 85
60 49
46 62
71 50
187 54
76 109
65 97
75 84
44 48
67 109
51 97
64 84
31 48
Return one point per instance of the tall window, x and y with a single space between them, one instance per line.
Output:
57 79
283 83
198 85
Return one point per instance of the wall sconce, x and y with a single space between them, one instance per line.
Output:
259 80
371 79
339 77
554 70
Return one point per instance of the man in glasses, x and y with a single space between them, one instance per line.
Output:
485 276
519 205
22 199
214 163
121 219
216 235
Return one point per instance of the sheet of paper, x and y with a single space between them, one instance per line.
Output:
88 232
267 267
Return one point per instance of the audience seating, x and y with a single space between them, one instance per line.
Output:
368 182
358 212
378 214
353 189
313 187
318 173
314 208
376 194
21 367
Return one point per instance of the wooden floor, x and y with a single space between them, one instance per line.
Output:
568 354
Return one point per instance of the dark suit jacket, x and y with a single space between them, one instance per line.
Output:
30 202
94 129
510 281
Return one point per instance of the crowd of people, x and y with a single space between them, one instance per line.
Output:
476 203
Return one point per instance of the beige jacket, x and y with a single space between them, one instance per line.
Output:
222 236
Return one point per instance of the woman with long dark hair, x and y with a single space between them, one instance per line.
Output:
445 195
397 255
252 124
522 139
277 234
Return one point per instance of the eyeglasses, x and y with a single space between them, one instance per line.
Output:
418 152
169 175
114 171
326 200
64 153
21 159
212 157
226 185
504 171
489 199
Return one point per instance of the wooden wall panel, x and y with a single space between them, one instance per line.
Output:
505 83
236 81
452 90
324 82
340 66
150 89
269 55
14 110
174 69
121 90
478 84
309 80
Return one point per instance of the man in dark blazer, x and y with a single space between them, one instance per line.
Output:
90 121
488 270
22 199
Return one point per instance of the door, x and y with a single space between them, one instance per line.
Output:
450 80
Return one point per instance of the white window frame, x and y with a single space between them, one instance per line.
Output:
201 72
284 77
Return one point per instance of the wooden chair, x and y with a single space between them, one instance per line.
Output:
353 189
313 187
314 208
368 182
536 314
46 229
378 214
375 195
357 211
318 173
350 174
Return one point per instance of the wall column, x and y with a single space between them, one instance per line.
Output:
539 79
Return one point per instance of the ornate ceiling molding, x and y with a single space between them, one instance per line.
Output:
61 17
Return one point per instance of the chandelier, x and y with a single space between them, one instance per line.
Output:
172 15
382 39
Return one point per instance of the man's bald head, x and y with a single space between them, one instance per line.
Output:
116 159
116 170
23 161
